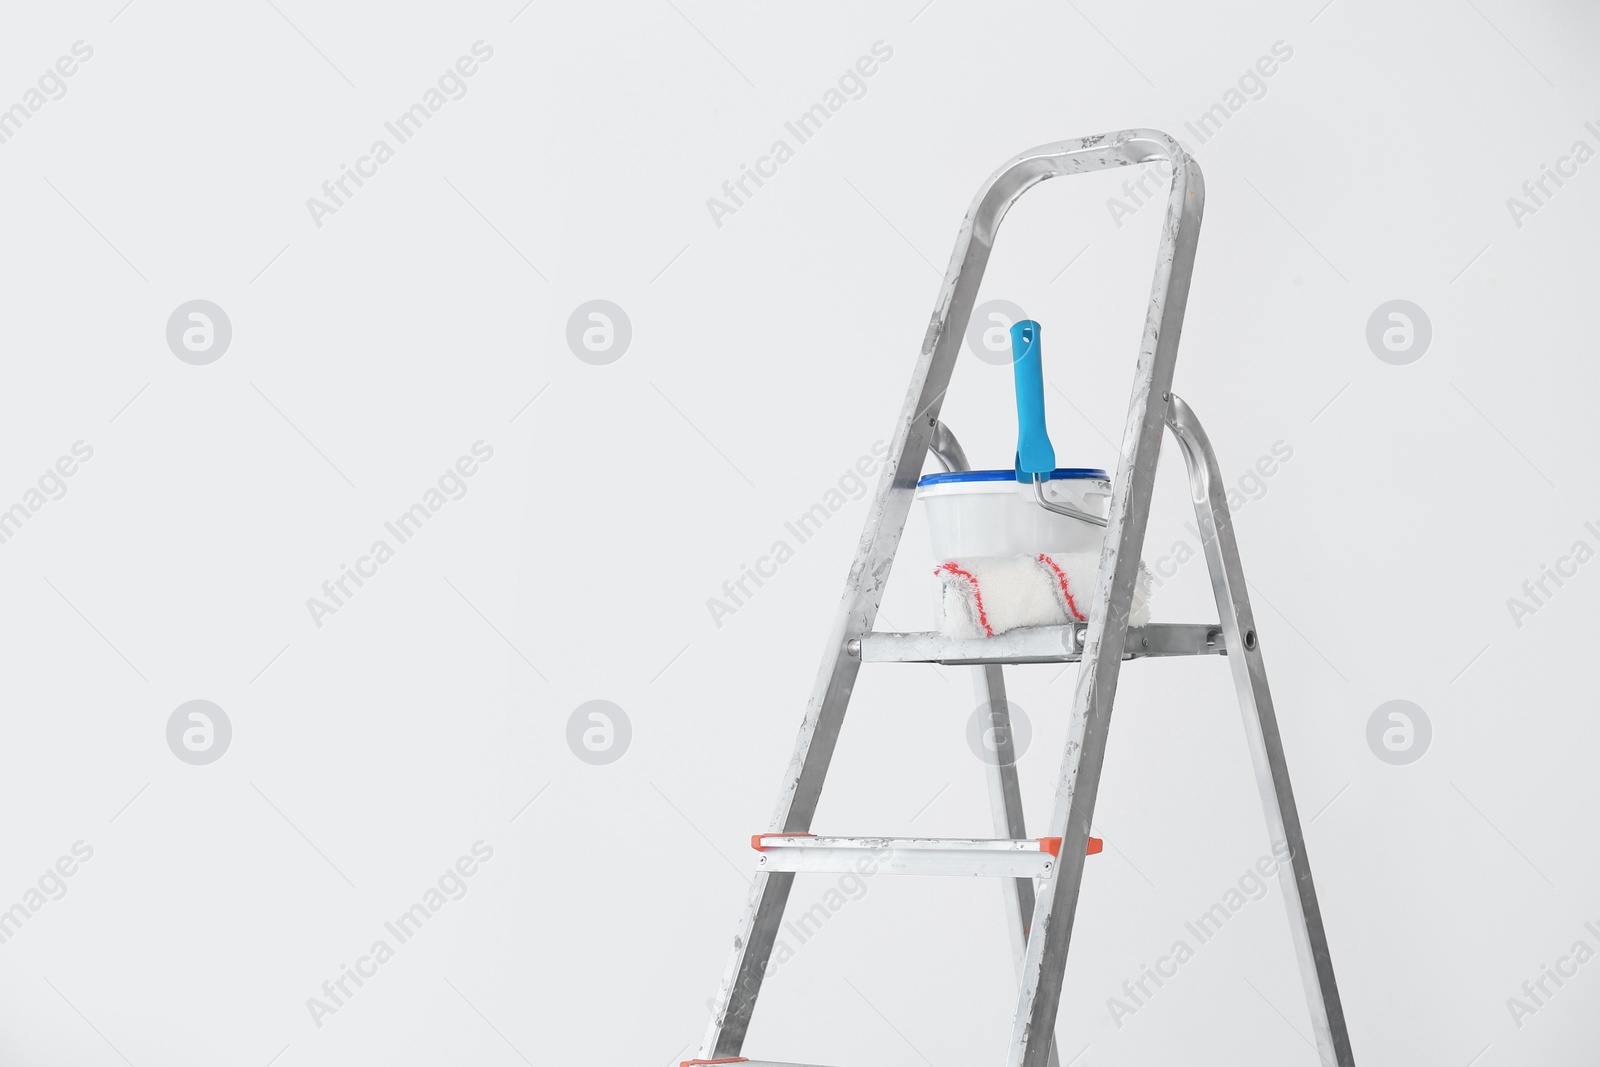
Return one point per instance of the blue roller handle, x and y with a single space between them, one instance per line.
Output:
1035 456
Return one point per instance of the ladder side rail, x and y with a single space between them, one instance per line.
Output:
1209 493
1055 908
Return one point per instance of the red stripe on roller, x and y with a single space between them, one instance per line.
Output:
1061 577
977 592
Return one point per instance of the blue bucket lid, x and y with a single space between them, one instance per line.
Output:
954 477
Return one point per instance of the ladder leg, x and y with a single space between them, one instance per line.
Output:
1056 905
1005 793
1261 730
819 732
758 929
1005 800
1054 911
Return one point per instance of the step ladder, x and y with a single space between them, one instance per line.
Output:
1044 874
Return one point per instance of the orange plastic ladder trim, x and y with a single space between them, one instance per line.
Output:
755 843
1052 845
698 1063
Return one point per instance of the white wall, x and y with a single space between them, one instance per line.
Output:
374 344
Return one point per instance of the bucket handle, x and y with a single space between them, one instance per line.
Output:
1062 508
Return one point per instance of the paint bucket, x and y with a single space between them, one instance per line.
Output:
1034 507
990 513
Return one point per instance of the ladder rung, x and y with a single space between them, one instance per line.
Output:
745 1062
971 856
1038 644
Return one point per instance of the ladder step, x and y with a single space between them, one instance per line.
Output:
971 856
1038 644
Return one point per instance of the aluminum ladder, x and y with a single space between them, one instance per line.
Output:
1046 872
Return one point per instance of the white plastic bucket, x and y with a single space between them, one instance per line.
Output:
990 513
